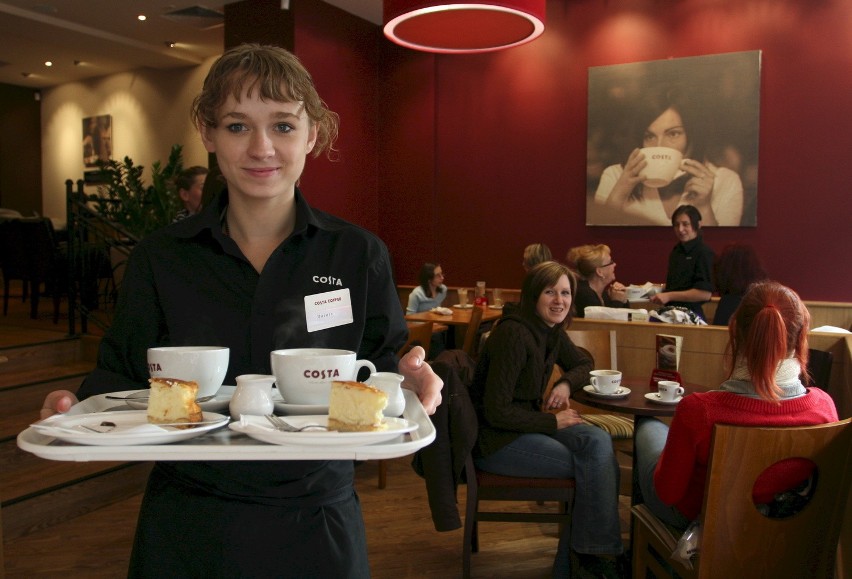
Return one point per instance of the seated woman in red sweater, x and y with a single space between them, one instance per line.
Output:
768 348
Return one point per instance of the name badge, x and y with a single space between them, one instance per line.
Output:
328 310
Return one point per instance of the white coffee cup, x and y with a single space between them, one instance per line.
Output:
669 391
606 381
206 365
662 165
634 292
304 375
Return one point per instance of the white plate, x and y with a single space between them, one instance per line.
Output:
219 402
495 307
463 307
298 409
131 428
655 397
259 428
622 392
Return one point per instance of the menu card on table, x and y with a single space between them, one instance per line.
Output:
668 349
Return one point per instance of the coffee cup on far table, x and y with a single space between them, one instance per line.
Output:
206 365
606 381
663 164
304 375
669 391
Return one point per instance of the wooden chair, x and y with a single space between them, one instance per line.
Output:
31 254
738 541
419 334
472 332
486 486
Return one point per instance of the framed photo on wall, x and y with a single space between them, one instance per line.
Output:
674 132
97 139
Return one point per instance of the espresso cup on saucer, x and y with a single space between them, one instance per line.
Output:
662 164
304 375
606 382
206 365
669 391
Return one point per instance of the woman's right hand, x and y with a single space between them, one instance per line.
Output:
567 417
58 401
630 177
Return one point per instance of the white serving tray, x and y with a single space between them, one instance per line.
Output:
224 443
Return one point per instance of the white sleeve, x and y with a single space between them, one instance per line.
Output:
607 182
727 201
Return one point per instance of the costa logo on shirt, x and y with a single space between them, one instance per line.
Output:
322 374
327 279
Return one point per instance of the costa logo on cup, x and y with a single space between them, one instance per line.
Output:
322 374
661 157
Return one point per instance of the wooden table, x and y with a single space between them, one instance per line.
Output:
636 404
460 319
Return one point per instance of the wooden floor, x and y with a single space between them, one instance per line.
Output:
402 542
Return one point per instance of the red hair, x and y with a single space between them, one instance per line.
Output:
770 326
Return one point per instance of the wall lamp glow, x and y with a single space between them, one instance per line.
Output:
463 27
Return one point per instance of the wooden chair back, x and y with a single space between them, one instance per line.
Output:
419 334
472 332
736 539
600 344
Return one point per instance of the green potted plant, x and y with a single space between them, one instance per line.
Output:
127 201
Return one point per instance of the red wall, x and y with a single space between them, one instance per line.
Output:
467 159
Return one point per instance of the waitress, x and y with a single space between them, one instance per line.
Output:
689 281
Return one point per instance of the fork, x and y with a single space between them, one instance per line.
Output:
281 424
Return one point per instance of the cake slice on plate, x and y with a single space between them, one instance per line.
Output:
356 407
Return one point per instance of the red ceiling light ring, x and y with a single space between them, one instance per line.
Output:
456 28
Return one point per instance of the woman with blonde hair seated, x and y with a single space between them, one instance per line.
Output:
534 254
597 285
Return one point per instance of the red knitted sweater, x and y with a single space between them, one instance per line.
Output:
682 469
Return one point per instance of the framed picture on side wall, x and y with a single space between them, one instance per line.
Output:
97 139
674 132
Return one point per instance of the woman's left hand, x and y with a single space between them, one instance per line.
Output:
617 292
421 379
699 189
559 398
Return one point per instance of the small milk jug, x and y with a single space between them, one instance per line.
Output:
391 384
252 396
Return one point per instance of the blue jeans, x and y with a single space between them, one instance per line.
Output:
651 435
582 452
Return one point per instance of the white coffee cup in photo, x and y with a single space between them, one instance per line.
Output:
304 375
662 164
669 391
206 365
606 381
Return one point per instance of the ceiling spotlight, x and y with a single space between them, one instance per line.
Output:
142 18
48 63
170 44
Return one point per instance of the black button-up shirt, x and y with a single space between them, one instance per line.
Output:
189 284
690 266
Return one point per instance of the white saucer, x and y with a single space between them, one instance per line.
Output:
655 398
622 392
463 307
495 307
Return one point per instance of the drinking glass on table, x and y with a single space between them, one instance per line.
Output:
497 295
462 296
